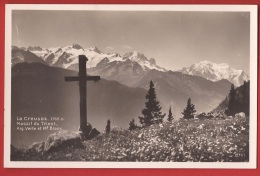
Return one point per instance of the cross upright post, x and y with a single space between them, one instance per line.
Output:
82 78
83 90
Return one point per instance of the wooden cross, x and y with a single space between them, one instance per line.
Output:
82 78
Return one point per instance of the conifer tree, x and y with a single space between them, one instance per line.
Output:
231 109
132 125
188 112
108 126
152 111
170 117
245 98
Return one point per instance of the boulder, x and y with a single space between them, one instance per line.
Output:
88 132
62 139
93 133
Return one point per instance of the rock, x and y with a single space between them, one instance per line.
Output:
89 132
62 139
93 133
240 115
37 146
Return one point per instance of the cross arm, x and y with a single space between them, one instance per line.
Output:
71 78
93 78
76 78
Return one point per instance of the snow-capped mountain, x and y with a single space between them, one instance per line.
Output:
37 50
67 57
133 65
216 72
143 61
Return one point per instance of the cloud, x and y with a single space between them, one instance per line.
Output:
127 47
109 48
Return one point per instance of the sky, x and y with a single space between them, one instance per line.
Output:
173 39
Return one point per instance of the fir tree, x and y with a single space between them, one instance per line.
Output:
231 109
188 112
132 125
245 98
108 126
152 111
170 117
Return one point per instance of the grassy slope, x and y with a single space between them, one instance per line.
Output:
194 140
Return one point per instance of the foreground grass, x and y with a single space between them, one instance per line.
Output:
181 141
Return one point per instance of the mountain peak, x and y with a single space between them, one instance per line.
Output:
142 60
77 46
208 63
136 53
215 72
205 62
34 48
136 56
95 49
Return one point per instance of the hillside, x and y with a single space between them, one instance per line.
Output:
181 141
40 91
174 89
242 100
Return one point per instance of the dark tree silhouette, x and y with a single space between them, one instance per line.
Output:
188 112
245 98
108 126
152 111
170 116
132 125
238 99
231 109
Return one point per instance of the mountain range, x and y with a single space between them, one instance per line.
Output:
133 64
67 57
